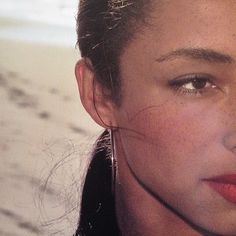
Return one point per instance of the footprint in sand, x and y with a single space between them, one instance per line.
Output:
77 129
21 99
55 91
19 221
3 81
44 115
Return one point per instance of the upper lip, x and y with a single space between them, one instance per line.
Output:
224 179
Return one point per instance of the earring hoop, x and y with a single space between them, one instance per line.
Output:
113 161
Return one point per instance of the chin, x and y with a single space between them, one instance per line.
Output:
218 227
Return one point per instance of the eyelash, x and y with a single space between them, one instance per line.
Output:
179 83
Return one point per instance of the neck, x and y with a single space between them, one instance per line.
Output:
139 212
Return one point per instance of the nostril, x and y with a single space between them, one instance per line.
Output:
230 142
234 149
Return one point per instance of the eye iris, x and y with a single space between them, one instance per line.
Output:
199 83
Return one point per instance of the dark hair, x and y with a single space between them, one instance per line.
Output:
97 215
104 28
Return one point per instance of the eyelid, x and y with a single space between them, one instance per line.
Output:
180 80
177 84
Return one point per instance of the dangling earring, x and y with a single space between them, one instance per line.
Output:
113 162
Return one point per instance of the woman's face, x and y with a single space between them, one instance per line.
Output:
179 109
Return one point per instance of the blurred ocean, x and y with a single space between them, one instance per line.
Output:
45 21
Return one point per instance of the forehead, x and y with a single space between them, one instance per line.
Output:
189 23
196 22
183 24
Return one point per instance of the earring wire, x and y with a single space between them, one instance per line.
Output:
113 161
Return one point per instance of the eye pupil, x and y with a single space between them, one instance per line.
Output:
199 83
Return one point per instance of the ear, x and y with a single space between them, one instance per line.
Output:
92 95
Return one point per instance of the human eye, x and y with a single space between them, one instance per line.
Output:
193 84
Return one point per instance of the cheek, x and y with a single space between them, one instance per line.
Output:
173 139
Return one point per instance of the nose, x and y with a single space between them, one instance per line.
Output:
230 115
230 142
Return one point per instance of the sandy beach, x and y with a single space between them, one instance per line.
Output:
45 139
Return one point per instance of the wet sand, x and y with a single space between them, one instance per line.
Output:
45 139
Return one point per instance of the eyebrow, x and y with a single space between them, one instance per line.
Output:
204 54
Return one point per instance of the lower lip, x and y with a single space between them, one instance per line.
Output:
227 191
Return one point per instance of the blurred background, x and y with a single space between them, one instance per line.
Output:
45 135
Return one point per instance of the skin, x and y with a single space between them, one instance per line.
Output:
173 137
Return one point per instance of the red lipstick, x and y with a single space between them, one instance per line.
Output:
225 185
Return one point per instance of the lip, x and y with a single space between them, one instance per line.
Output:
225 185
